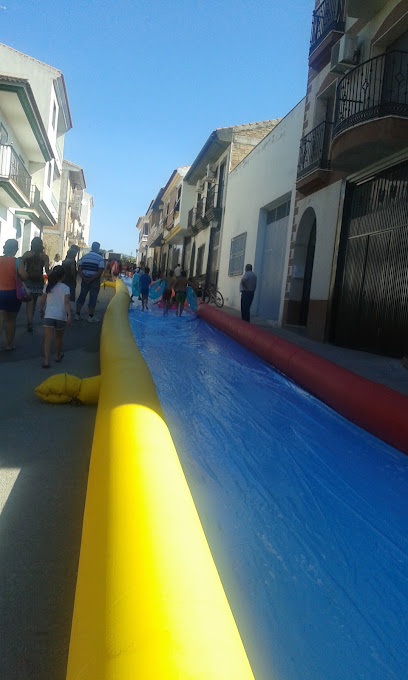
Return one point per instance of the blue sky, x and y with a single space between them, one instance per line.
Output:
148 81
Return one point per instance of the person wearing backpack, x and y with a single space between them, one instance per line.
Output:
35 261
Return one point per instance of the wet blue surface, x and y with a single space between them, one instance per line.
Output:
306 514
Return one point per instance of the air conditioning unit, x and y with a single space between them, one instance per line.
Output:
210 173
344 54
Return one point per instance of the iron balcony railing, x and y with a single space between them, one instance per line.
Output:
314 149
328 16
211 197
374 89
200 208
12 167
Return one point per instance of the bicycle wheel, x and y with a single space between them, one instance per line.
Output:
218 299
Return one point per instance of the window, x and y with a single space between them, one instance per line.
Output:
146 229
237 255
49 175
54 115
278 213
3 134
200 258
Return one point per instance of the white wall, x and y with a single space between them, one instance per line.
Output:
326 204
40 76
264 176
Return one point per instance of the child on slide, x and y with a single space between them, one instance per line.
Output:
135 284
167 293
180 291
144 283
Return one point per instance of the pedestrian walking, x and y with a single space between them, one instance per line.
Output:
55 310
9 303
90 269
71 272
247 288
35 261
57 261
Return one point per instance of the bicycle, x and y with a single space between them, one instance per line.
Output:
211 295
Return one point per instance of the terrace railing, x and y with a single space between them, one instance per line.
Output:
314 149
328 16
376 88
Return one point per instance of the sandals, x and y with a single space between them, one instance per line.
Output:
61 358
46 366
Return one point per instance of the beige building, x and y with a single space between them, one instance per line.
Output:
74 215
347 277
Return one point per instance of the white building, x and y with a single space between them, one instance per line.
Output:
258 214
347 273
142 227
206 187
34 117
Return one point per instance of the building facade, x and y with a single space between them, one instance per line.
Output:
34 118
206 188
347 278
258 215
74 213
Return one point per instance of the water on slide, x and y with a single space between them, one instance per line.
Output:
306 514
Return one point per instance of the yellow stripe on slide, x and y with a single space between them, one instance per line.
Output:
149 603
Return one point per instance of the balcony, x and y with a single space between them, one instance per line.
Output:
15 180
327 28
201 221
155 235
191 219
313 167
361 9
212 208
371 120
33 210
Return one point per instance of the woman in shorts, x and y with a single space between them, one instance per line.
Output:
9 303
35 261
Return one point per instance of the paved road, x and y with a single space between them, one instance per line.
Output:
44 453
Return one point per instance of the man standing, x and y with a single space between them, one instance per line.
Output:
247 288
90 269
177 271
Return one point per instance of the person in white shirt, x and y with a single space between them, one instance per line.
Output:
247 288
55 310
56 261
177 271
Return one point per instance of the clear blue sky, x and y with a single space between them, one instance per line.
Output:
148 81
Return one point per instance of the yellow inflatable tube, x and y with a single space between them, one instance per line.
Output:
149 603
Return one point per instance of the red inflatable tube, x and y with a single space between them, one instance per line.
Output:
374 407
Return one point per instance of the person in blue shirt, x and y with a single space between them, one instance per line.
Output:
144 284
